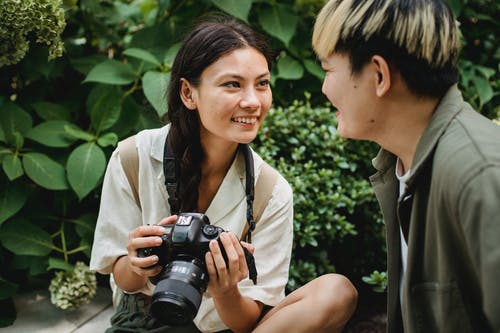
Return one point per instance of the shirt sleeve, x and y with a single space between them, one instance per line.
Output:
479 214
118 215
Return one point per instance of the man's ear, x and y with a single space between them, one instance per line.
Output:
186 93
383 75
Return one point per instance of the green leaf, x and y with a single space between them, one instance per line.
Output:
105 104
7 289
237 8
483 89
24 238
78 133
85 64
12 167
168 60
52 133
279 21
86 165
155 88
59 264
313 68
12 199
111 72
142 55
44 171
2 134
289 68
108 139
14 119
51 111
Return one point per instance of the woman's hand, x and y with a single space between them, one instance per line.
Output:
223 280
144 237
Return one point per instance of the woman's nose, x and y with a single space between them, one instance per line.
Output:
249 99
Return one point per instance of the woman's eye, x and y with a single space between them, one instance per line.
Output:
232 84
264 83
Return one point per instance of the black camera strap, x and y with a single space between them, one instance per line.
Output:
172 171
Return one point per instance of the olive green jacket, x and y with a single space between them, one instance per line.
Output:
450 216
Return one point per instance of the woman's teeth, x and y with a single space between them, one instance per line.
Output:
244 120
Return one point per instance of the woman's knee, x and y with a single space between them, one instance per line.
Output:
337 293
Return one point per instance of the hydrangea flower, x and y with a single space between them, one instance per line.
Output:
71 289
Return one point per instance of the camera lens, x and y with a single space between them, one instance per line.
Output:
177 297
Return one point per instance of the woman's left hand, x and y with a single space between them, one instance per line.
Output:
223 280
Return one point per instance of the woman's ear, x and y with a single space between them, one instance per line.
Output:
383 75
186 92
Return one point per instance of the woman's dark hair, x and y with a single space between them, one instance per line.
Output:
208 41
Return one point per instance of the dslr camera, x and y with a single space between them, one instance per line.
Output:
184 278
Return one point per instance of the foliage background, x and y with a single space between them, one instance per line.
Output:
61 117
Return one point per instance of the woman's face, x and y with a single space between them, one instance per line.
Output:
233 97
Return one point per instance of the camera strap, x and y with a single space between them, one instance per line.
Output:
172 171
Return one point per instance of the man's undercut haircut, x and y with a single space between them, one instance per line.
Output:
419 38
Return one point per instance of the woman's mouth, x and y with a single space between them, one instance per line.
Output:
245 120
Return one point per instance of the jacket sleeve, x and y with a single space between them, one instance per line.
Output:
478 210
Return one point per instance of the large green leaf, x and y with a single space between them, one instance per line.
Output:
279 21
12 199
111 72
315 69
237 8
155 88
51 111
483 89
15 122
24 238
44 171
78 133
289 68
105 106
12 167
142 55
86 165
52 133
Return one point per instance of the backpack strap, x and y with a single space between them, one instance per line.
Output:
263 191
130 164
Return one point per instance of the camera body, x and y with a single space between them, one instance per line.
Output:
184 278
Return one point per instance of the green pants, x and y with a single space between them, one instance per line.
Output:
132 315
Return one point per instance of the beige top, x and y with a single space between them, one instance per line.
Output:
119 214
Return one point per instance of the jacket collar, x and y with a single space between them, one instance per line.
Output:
445 112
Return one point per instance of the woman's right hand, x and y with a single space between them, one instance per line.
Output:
146 236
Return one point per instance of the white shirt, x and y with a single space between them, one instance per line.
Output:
404 246
119 214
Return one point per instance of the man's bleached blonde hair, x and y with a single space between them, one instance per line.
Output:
423 30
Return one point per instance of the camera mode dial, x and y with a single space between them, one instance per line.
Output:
210 231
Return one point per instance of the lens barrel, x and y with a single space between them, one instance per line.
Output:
177 297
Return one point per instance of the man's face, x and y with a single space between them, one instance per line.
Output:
352 95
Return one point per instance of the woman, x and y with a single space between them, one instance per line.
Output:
219 95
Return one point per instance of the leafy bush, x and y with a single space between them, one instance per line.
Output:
333 201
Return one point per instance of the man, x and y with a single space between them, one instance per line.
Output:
391 71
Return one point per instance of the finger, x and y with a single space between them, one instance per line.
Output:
219 261
233 259
144 263
141 243
248 246
168 220
212 271
146 230
241 255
